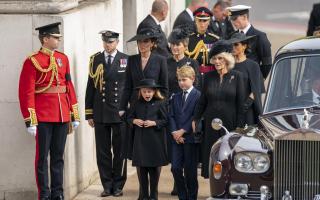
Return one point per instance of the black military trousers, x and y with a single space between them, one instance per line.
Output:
112 167
51 137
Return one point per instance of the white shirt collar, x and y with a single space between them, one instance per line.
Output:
155 19
112 55
246 29
189 90
190 13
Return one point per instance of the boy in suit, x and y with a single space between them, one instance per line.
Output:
184 147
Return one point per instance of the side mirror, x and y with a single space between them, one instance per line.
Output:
216 124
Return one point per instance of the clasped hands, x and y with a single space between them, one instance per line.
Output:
146 123
177 136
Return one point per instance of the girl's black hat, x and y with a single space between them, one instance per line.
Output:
148 83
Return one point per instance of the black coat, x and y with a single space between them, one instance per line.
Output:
149 144
182 19
103 106
173 65
156 68
223 101
260 50
162 42
314 19
253 83
222 29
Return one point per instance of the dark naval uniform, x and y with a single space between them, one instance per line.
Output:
260 50
104 89
261 47
48 103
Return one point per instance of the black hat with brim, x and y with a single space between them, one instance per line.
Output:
240 37
146 33
148 83
180 33
219 47
50 29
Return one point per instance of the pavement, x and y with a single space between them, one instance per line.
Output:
131 189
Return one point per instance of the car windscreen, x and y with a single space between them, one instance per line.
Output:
295 83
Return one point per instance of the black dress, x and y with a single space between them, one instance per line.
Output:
149 144
253 83
156 68
219 100
173 65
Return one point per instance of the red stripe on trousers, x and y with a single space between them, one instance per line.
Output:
36 163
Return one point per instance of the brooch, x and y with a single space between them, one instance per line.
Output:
231 78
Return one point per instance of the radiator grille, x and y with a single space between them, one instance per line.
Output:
297 169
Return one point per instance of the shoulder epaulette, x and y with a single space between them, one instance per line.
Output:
59 52
94 55
32 54
214 35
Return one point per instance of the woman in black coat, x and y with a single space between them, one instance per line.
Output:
252 76
179 41
145 65
148 118
222 96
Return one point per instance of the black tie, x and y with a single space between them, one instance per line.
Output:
184 96
109 61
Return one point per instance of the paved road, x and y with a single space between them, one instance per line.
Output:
131 188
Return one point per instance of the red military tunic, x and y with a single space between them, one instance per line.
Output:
46 92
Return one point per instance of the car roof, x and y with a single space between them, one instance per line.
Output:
301 45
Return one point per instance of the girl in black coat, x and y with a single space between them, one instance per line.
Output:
148 118
222 96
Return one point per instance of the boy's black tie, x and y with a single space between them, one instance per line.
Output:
184 96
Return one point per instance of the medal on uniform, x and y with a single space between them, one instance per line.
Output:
123 63
209 46
59 61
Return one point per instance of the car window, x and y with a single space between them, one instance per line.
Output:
295 83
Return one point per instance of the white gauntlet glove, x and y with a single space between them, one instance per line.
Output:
32 130
75 124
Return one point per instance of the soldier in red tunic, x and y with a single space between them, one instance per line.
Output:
48 104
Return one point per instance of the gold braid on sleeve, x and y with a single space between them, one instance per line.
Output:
97 76
200 47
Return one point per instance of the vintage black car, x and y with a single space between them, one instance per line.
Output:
280 158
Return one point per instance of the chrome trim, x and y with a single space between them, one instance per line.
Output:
296 168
